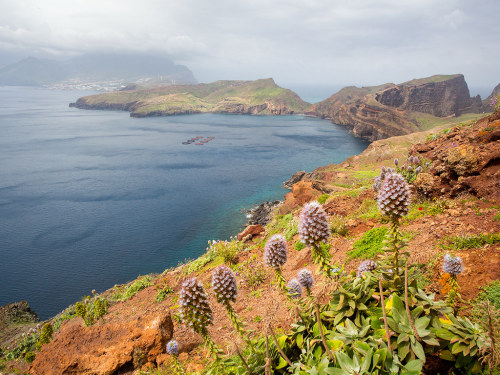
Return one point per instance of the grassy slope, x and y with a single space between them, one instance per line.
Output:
201 97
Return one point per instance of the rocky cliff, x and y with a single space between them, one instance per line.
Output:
389 110
243 97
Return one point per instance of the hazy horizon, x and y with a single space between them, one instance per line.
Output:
298 43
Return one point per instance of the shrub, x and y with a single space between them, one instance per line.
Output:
322 198
491 292
29 357
131 289
91 309
471 242
163 291
45 335
252 272
299 245
338 225
228 250
369 244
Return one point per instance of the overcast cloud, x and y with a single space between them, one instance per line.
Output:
337 42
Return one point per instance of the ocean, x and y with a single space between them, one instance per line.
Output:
90 199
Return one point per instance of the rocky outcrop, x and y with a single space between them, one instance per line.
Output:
389 110
466 160
17 312
105 349
262 213
441 99
250 232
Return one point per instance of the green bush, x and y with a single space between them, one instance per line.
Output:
131 289
338 225
163 292
45 335
251 272
228 250
322 198
470 242
91 309
491 292
299 245
29 357
370 244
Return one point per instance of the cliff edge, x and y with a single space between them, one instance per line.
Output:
389 110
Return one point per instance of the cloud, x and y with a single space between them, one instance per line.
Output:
342 41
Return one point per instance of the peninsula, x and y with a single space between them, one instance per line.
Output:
388 110
260 97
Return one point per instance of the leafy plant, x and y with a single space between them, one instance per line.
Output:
470 242
228 250
163 291
252 272
370 244
338 225
45 335
131 289
91 309
322 198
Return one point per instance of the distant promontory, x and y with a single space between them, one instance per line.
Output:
262 96
388 110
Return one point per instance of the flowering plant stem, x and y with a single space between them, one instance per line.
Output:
319 257
238 325
280 279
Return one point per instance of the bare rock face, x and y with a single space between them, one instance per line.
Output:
105 349
385 111
445 98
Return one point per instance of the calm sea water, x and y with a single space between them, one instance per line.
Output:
90 199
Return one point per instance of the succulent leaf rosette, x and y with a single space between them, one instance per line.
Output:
394 197
313 224
195 310
224 285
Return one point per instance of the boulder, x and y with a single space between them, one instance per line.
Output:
250 231
105 348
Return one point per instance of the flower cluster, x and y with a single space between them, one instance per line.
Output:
313 224
294 289
394 196
367 265
173 347
275 253
305 279
379 180
452 265
224 285
195 310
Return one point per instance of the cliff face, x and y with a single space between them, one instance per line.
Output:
445 98
385 111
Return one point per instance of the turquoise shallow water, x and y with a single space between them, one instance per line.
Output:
89 199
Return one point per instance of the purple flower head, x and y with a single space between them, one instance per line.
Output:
224 285
275 253
394 196
313 224
195 310
367 265
396 162
305 279
172 347
294 289
453 265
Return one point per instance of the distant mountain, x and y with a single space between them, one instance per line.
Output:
262 96
389 110
126 67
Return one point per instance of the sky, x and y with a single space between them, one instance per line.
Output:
297 42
